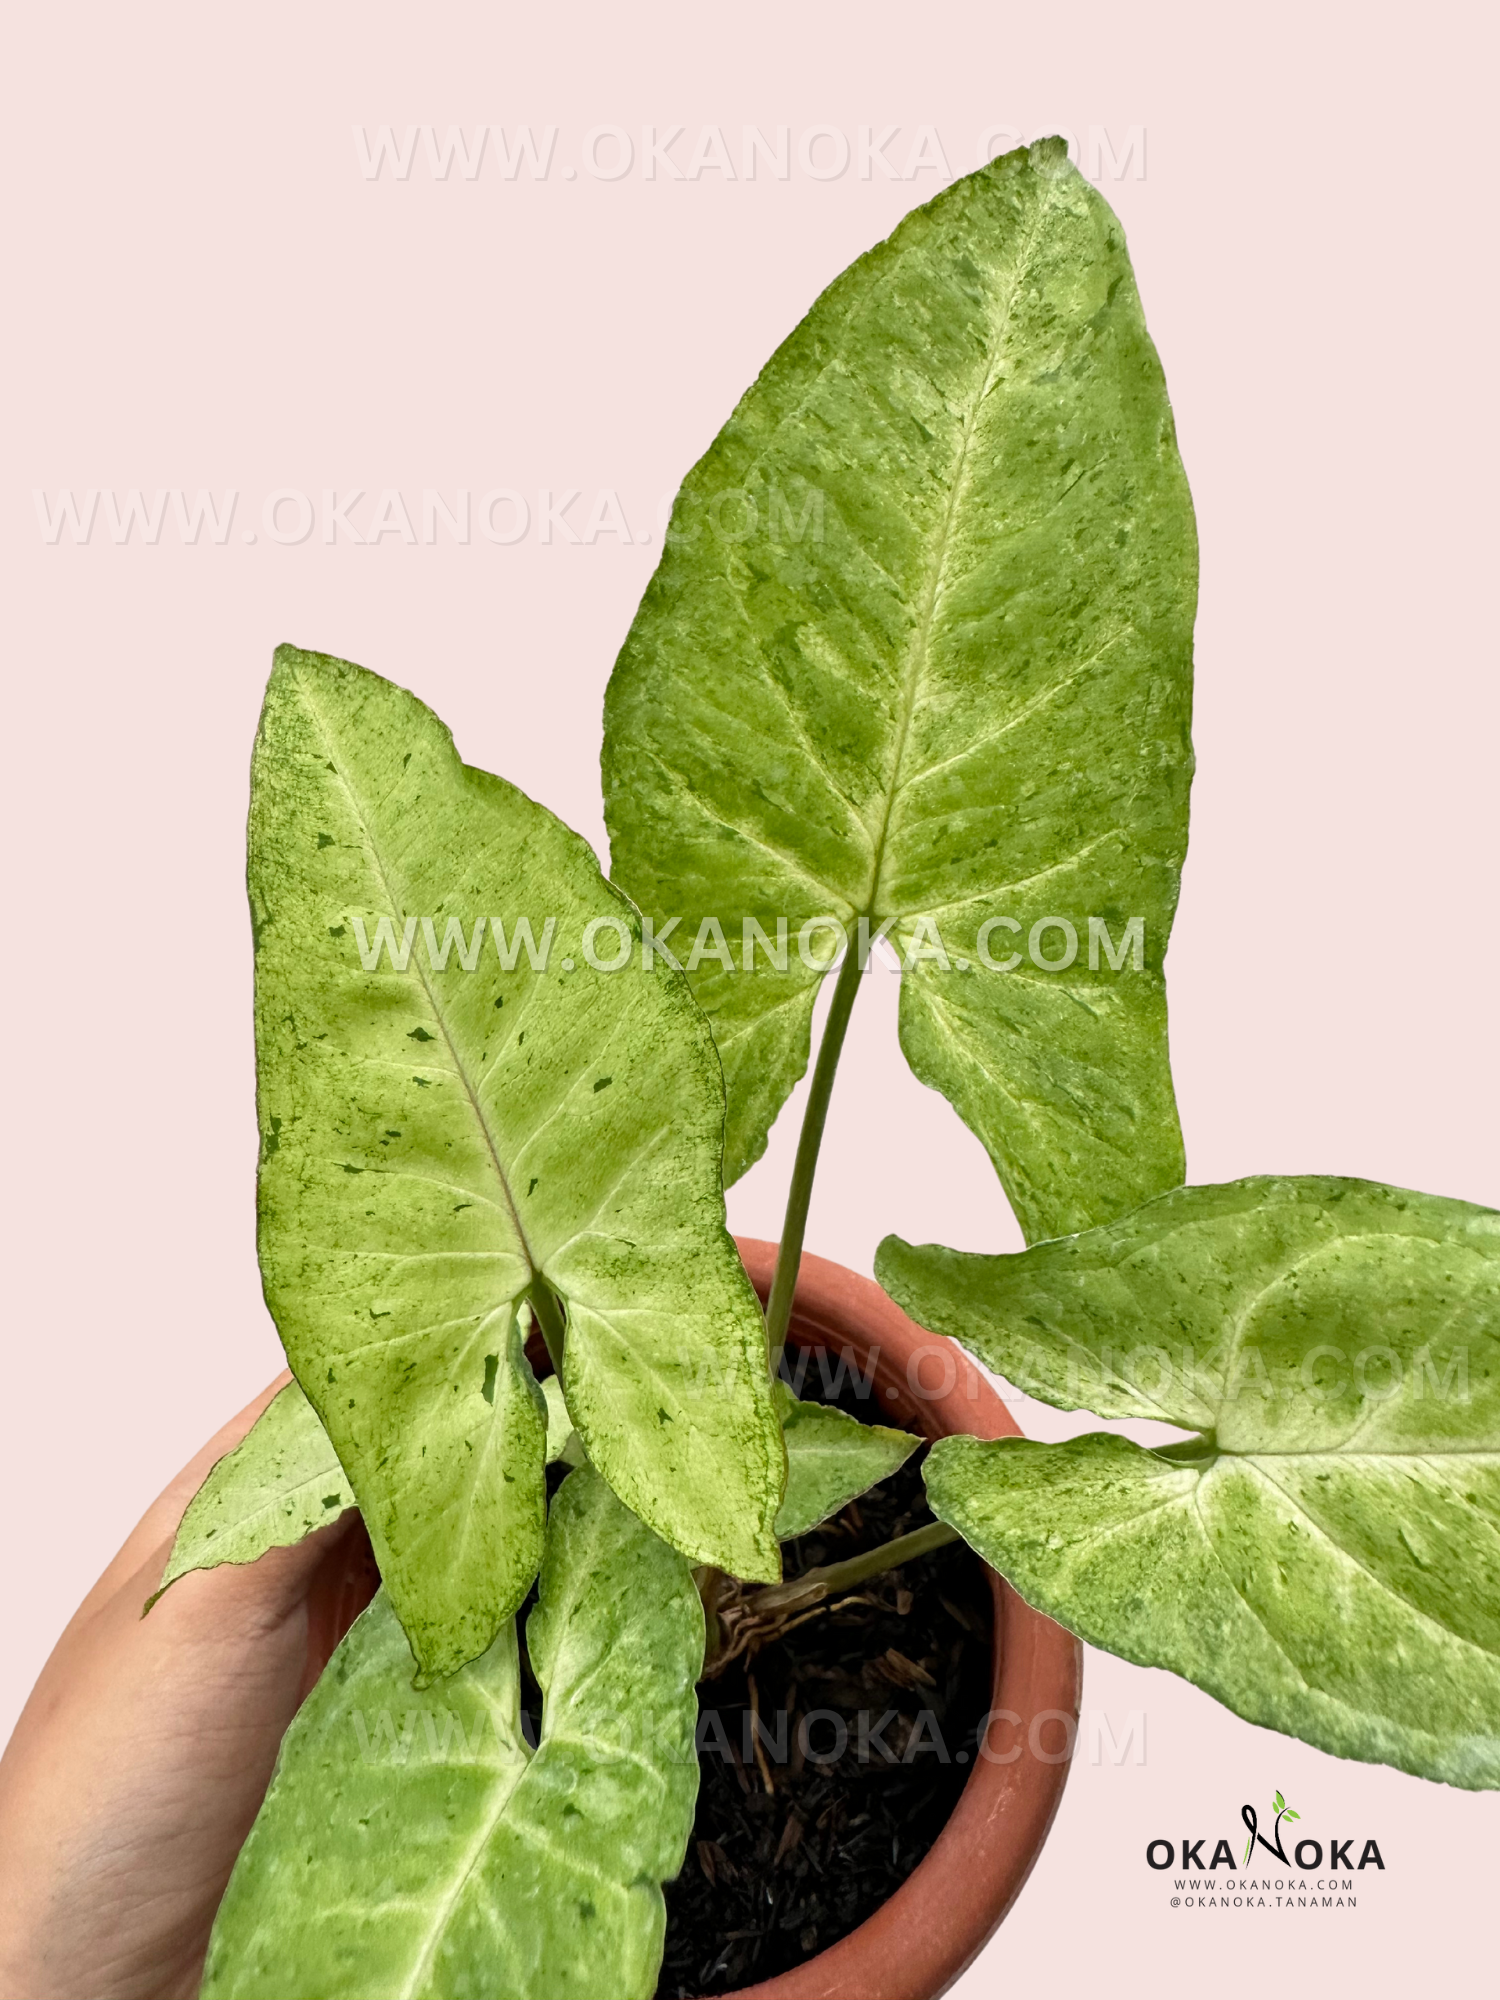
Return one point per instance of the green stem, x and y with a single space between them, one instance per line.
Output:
710 1583
547 1308
794 1227
817 1584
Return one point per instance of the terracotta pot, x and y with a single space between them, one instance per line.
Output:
943 1915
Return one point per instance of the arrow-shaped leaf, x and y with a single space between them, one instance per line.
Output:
411 1845
280 1483
831 1459
441 1144
919 652
283 1482
1325 1559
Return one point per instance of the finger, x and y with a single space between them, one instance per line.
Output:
326 1579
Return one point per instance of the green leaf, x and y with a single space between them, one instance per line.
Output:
1287 1813
560 1432
279 1484
1205 1307
284 1481
1325 1559
410 1845
959 689
831 1459
1279 1802
439 1145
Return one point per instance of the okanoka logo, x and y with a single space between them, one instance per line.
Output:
1302 1853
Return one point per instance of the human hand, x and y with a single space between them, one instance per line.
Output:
146 1747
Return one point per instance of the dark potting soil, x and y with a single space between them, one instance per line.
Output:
866 1721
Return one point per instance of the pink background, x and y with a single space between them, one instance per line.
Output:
206 291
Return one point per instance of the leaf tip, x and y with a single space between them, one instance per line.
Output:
889 1256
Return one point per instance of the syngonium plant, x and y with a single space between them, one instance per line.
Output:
915 666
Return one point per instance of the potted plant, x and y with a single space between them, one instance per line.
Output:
913 673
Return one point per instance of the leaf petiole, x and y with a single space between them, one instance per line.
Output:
547 1308
819 1584
794 1227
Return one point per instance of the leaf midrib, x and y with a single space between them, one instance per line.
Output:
282 1497
919 649
1190 1500
508 1776
397 910
1342 1554
870 905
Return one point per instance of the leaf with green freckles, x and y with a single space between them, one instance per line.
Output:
1325 1558
411 1848
919 647
831 1459
282 1482
1354 1605
1241 1310
442 1145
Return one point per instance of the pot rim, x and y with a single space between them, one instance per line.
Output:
935 1925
